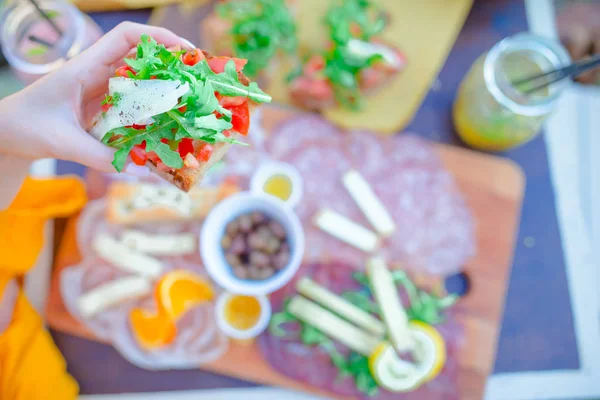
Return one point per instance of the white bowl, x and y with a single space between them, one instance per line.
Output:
213 230
268 169
230 331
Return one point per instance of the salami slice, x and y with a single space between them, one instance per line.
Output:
79 279
198 339
313 366
293 135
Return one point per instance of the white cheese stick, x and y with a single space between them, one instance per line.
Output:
347 230
113 293
126 259
340 306
159 245
369 203
333 326
386 295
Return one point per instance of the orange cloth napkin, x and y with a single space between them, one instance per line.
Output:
31 367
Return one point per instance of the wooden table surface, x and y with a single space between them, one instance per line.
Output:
537 332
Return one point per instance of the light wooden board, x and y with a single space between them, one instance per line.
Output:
493 189
424 30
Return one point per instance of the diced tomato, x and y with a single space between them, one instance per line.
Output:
227 101
161 166
153 77
217 64
165 140
122 71
182 109
190 161
204 152
355 29
136 126
193 57
186 145
138 154
106 107
315 64
152 156
240 118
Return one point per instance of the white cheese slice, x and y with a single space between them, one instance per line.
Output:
113 293
340 306
333 326
159 245
126 259
369 203
139 101
368 49
150 196
347 230
386 295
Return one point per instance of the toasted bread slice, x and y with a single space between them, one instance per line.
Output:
123 198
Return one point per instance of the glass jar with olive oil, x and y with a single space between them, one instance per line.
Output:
489 112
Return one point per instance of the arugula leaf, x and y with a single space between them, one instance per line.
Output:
127 138
358 365
259 28
227 83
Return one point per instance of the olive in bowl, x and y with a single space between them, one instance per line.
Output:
252 244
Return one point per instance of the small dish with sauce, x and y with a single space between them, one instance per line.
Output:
252 244
280 180
242 317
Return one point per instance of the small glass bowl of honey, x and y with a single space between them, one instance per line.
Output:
242 317
280 180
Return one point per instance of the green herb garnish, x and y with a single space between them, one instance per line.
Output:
37 51
260 28
199 121
424 307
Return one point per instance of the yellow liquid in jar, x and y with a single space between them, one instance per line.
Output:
242 312
279 186
482 122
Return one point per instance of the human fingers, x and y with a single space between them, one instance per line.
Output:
84 149
118 42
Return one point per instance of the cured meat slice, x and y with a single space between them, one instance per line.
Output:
198 339
313 366
294 134
435 231
79 279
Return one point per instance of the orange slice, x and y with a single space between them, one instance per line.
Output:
152 330
180 290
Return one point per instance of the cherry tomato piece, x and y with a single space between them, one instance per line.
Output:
122 71
227 101
138 154
217 64
240 118
106 107
185 146
182 109
193 57
204 152
152 156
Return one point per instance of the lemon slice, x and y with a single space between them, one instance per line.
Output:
391 372
429 350
397 375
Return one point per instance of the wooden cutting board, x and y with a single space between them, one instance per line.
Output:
425 31
493 189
